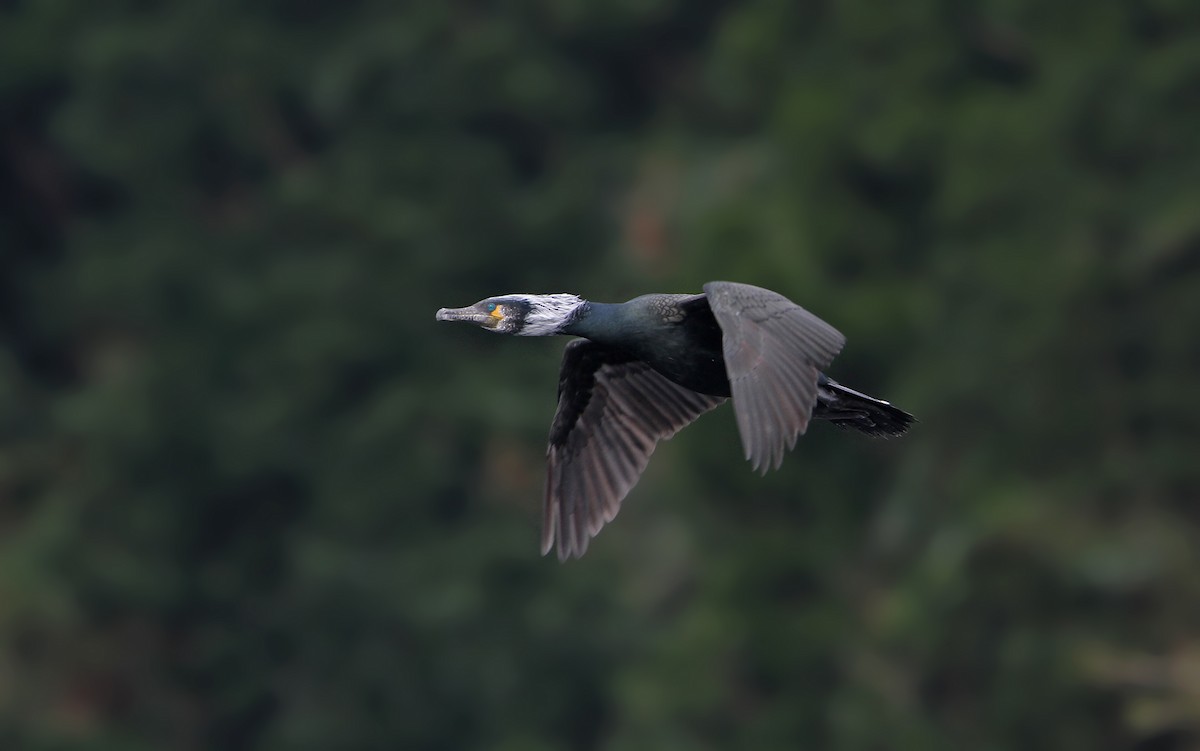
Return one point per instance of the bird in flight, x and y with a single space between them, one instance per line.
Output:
646 368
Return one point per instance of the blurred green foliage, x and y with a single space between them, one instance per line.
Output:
252 496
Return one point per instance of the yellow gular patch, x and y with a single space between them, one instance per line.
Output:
498 313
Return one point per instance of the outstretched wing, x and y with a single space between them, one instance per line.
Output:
612 411
774 352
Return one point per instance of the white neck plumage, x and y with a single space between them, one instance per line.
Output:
548 314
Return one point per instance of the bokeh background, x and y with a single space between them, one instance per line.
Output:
253 497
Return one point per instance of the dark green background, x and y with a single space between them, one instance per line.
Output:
253 497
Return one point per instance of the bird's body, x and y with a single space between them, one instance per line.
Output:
676 335
645 368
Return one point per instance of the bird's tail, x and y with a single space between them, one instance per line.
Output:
850 409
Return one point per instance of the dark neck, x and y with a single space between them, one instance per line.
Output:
596 320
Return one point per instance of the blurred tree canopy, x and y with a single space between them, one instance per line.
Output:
253 497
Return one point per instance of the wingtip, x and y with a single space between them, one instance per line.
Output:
556 539
565 550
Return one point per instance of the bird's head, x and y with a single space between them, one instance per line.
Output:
523 315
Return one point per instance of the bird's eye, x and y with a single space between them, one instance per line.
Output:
491 306
495 311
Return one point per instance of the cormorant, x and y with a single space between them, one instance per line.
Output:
647 367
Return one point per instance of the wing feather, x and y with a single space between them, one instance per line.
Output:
612 412
774 352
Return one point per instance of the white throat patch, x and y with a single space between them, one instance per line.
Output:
547 313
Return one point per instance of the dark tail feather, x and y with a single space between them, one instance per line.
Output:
849 409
